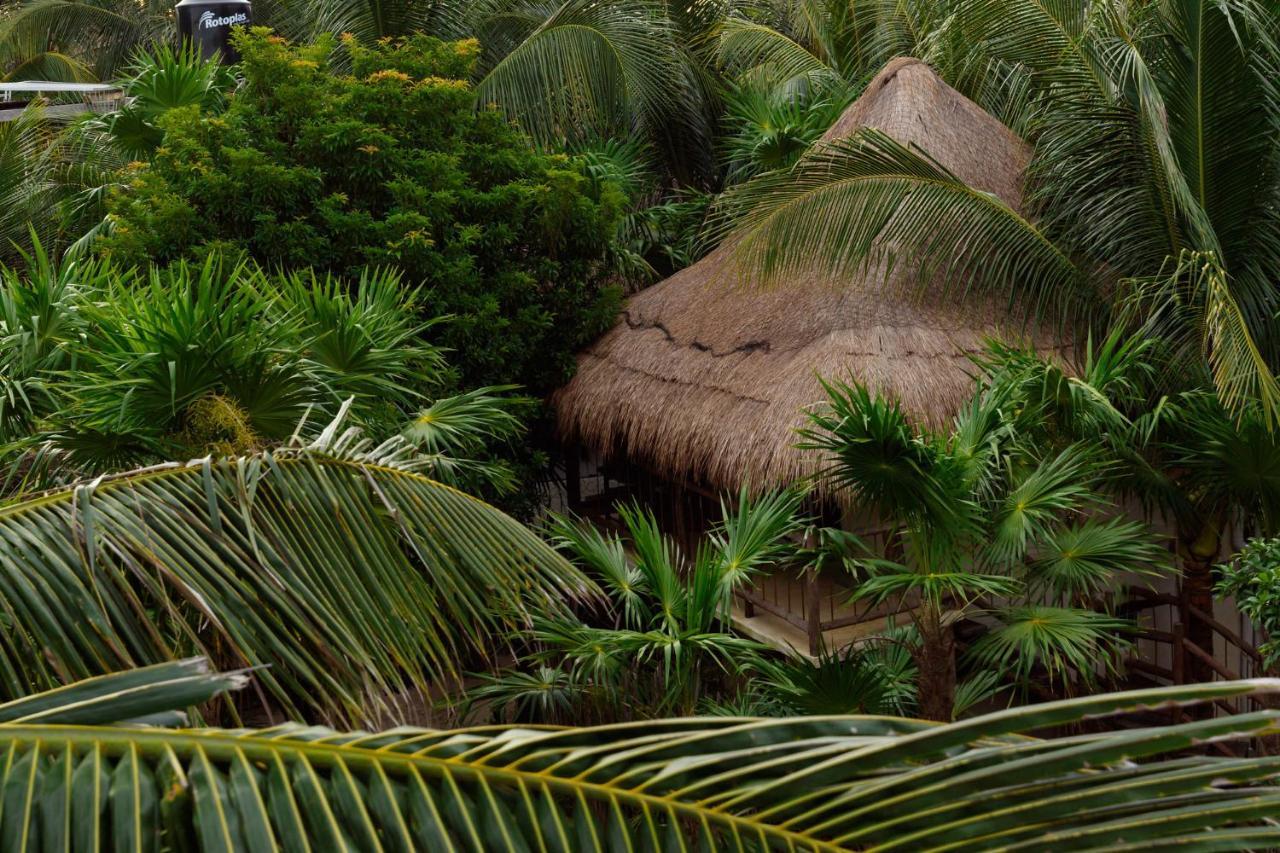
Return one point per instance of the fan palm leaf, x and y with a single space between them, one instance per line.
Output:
817 783
334 558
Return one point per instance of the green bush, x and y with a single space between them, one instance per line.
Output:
1252 577
388 165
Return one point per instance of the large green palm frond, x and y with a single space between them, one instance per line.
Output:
869 201
368 20
96 37
590 68
28 191
1218 67
332 559
1144 115
758 52
808 783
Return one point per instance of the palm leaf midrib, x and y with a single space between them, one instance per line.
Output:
131 479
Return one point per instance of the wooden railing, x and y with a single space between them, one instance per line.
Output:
1237 659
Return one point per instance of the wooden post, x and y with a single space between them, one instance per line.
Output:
813 613
1179 663
572 477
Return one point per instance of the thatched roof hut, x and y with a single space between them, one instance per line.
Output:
707 380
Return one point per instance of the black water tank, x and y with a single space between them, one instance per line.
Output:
207 24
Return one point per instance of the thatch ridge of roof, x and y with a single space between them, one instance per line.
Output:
706 381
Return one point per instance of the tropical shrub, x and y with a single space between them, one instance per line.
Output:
162 79
388 165
1252 579
334 559
1184 456
78 775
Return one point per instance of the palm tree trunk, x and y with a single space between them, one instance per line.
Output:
936 660
1200 552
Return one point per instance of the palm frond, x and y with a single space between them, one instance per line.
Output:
591 68
1066 642
1083 560
332 558
1038 499
766 56
816 783
875 453
870 203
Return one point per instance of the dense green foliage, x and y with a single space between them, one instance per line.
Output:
1183 457
386 166
660 643
977 514
389 201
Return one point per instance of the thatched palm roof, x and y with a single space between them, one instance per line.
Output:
703 380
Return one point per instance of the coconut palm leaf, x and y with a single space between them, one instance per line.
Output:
818 783
95 36
152 694
368 20
870 201
333 558
768 56
590 68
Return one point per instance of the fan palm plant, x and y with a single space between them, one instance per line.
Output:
1141 116
76 777
1184 456
162 79
332 556
662 643
112 369
979 515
